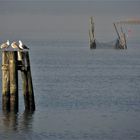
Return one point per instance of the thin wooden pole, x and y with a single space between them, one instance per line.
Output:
30 84
5 82
28 92
25 90
13 81
125 41
92 35
24 81
116 30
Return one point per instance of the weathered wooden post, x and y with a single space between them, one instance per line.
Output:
121 41
28 92
12 61
22 68
92 35
5 81
30 84
24 80
13 81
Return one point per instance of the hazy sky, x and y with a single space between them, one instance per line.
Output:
54 19
69 0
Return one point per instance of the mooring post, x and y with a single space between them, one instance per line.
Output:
5 81
24 80
28 92
13 81
12 61
92 41
125 41
30 84
25 90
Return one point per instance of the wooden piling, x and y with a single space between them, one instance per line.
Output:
12 61
28 92
30 84
121 41
13 81
25 90
24 80
92 41
5 81
125 41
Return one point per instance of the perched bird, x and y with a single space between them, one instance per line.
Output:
22 46
5 45
15 45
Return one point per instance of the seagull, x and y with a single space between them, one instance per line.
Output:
5 45
15 45
22 46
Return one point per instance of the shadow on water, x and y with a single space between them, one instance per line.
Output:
17 122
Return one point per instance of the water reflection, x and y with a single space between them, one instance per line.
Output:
26 121
10 120
17 122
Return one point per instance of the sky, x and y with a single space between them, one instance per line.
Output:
71 0
63 19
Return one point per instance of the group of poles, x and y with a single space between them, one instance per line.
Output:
120 42
14 60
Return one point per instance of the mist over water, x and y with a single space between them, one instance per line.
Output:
80 94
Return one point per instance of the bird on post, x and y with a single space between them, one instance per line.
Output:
15 46
22 46
5 45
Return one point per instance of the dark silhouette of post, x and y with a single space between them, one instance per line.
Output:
30 84
28 92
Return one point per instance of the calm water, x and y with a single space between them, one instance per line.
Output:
80 94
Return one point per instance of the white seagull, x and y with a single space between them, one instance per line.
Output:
22 46
15 45
5 45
